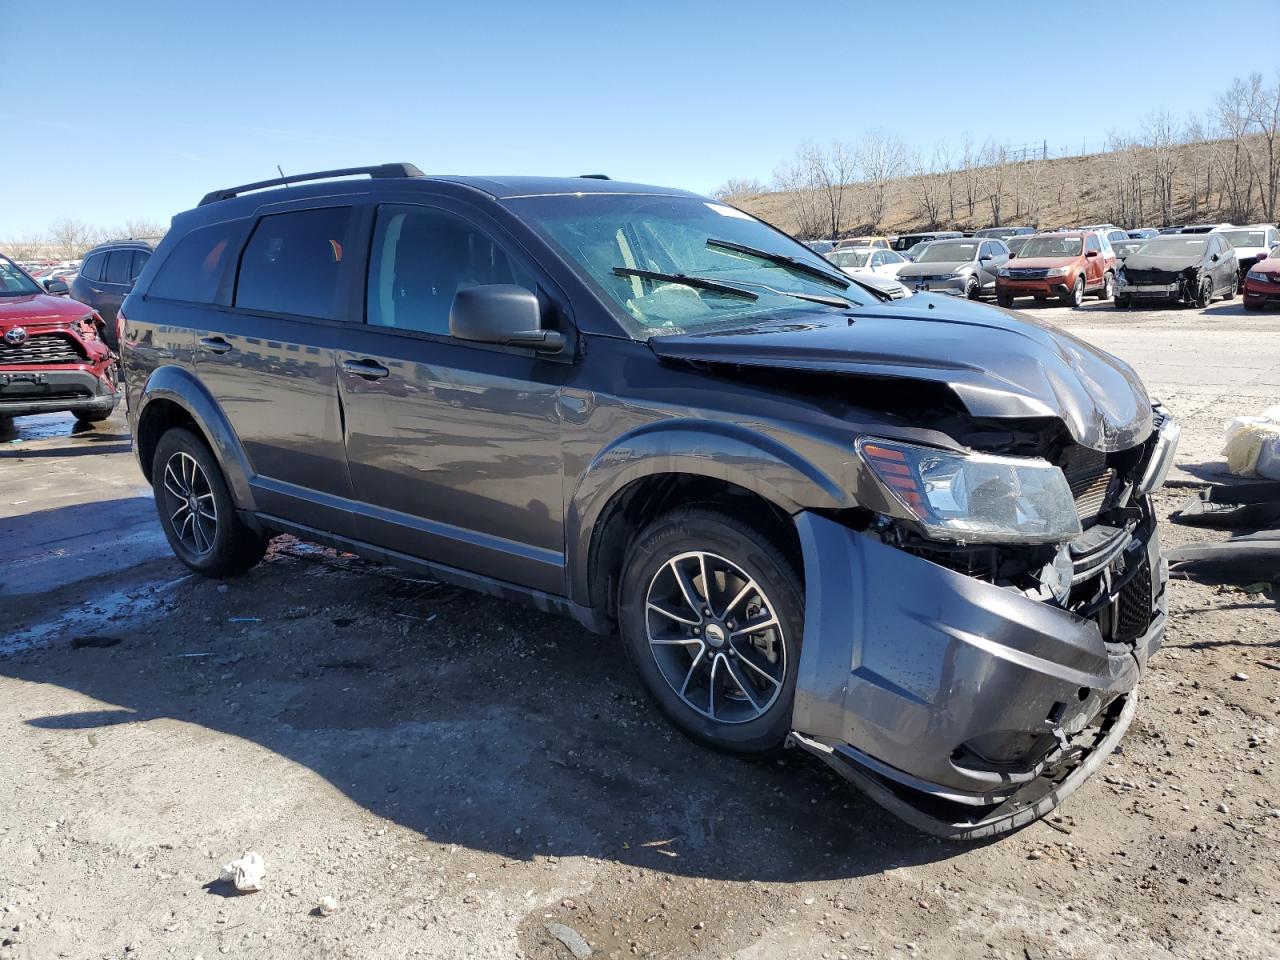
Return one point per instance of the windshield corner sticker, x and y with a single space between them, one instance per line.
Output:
724 211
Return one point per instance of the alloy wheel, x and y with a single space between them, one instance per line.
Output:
716 637
190 505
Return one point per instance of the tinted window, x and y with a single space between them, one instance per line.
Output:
291 263
421 258
140 258
192 270
118 262
91 269
1092 243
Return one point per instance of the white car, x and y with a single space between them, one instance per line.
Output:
1251 244
863 260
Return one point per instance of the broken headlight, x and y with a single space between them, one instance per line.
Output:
975 498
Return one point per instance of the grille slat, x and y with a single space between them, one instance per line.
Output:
1090 479
41 348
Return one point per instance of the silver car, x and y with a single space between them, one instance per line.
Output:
962 268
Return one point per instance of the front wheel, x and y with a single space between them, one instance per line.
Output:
711 613
196 509
1004 299
1121 303
972 289
1108 287
1075 296
1204 296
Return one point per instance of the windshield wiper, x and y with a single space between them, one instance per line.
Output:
698 283
829 300
782 260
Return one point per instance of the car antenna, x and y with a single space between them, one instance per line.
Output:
282 176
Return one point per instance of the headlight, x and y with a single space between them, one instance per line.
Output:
1058 271
1254 275
1003 271
975 497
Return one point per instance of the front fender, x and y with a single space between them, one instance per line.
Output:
180 386
721 450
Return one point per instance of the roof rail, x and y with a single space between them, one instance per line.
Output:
594 176
378 172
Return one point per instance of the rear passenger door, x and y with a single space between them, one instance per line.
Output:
453 447
1094 264
115 284
268 360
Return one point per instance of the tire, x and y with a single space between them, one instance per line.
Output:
6 426
1108 286
1247 306
1204 296
670 642
1075 296
1232 289
216 546
973 289
1121 303
92 416
1004 299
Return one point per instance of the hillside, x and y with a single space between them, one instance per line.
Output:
1135 186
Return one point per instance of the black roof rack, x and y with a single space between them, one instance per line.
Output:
593 176
378 171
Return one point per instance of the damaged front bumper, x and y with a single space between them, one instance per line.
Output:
966 708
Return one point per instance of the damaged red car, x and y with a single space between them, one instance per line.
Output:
53 357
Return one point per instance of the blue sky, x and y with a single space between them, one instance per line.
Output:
110 111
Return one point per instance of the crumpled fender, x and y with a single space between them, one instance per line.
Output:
183 388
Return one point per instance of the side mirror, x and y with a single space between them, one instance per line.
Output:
502 313
1091 253
1214 257
986 256
57 286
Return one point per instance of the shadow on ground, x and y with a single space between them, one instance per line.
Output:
469 720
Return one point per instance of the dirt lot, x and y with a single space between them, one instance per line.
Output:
459 772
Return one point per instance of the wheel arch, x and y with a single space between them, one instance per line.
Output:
174 397
650 471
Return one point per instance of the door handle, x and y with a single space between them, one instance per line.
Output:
215 345
369 369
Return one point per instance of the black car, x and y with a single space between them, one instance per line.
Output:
1192 268
913 537
905 241
107 274
1125 247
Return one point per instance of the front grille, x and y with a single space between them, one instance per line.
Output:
47 348
1150 276
1133 607
1090 479
1028 273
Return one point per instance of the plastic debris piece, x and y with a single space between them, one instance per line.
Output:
247 873
327 906
571 938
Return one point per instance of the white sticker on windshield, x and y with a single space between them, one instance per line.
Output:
724 211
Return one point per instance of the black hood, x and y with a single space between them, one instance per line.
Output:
1141 261
1000 364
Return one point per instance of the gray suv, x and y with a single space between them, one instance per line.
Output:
914 538
962 268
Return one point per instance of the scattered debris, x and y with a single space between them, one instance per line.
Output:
247 873
571 938
327 906
1239 675
82 643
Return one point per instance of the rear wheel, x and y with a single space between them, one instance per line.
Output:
196 510
1231 290
1075 296
711 615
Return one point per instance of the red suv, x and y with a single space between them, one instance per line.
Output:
52 354
1061 265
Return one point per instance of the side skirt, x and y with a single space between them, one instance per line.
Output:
546 602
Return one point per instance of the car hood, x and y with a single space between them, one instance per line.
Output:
1000 364
1042 262
933 268
1141 261
40 308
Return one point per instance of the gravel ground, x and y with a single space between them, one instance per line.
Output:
462 774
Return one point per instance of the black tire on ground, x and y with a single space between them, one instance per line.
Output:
692 531
92 416
973 289
217 546
1108 286
1121 303
1231 290
1075 296
6 425
1041 296
1204 296
1004 299
1247 306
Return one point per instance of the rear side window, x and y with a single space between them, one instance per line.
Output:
91 269
118 263
192 270
291 263
140 258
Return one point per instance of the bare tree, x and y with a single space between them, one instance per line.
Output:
883 159
23 248
1160 137
801 200
737 190
70 238
1262 109
1229 147
969 164
993 172
928 186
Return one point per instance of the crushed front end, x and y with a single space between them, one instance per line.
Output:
970 685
